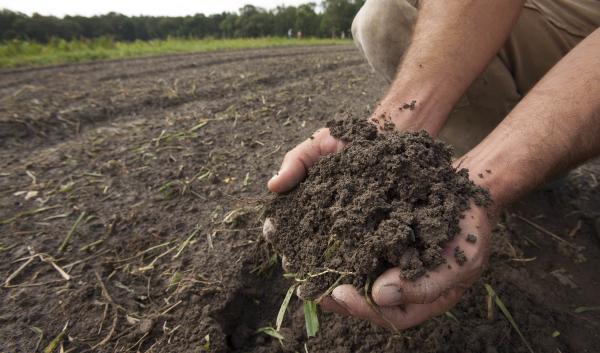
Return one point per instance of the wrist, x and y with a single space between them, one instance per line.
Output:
491 167
416 102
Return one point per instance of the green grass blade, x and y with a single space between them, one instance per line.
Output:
67 239
311 318
271 332
507 314
583 309
284 305
54 343
452 316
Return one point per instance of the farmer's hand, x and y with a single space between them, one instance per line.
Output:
402 303
297 161
421 299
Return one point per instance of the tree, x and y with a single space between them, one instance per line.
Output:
338 15
307 20
250 21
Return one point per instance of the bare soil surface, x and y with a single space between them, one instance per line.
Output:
130 206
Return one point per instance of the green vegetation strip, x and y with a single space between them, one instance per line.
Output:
26 54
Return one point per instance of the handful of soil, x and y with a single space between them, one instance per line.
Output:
386 200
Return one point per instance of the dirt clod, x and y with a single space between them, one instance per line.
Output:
460 256
387 200
471 238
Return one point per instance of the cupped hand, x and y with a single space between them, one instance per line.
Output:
399 304
296 162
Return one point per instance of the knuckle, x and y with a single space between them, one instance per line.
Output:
428 291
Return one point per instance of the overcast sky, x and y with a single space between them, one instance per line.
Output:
137 7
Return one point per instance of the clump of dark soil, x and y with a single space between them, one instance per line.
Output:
386 200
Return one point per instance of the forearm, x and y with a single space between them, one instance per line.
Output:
556 126
453 42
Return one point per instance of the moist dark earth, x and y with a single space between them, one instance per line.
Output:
387 200
130 207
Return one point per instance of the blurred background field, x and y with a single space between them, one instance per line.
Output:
37 40
19 53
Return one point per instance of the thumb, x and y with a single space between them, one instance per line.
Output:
296 162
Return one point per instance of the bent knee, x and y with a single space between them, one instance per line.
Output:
382 31
376 19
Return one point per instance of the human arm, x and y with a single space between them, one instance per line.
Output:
453 42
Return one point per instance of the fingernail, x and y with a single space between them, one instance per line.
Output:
329 304
389 294
341 303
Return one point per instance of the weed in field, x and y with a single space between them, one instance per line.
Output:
284 305
492 294
54 343
311 318
271 332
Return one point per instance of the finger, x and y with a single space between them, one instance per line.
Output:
414 314
392 289
395 317
296 162
327 303
347 297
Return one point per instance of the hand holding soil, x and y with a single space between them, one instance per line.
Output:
401 303
390 203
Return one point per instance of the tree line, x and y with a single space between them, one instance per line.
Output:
251 21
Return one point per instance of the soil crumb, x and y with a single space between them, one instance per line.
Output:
471 238
460 256
386 200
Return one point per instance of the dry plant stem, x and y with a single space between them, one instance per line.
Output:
376 308
545 231
44 258
115 307
110 333
67 239
17 271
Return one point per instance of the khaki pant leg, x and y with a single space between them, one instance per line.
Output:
382 31
545 32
